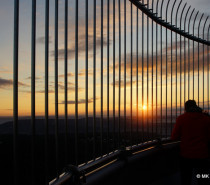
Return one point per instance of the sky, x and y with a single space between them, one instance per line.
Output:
6 57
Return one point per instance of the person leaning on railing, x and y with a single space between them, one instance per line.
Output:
193 130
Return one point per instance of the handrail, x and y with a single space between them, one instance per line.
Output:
158 20
119 155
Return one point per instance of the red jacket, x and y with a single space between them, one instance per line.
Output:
193 129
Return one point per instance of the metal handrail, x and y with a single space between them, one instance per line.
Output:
119 155
161 22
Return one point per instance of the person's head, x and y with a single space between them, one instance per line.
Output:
189 105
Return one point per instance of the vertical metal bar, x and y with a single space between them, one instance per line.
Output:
76 82
56 86
161 81
156 80
204 63
171 80
189 55
125 68
181 59
172 66
108 76
15 90
114 139
131 106
46 88
176 73
137 71
199 61
148 137
119 126
176 56
102 17
152 76
185 55
94 80
86 78
194 56
167 70
142 75
156 71
66 80
33 68
208 67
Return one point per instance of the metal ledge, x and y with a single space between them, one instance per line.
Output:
116 159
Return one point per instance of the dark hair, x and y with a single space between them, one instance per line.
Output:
189 105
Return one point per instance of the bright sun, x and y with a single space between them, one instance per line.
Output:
144 107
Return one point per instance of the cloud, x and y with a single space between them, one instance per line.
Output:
81 73
6 72
41 40
80 101
37 78
128 83
81 47
7 83
69 75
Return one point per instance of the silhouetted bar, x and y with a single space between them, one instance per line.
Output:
119 126
161 74
167 72
172 9
148 137
66 80
189 54
185 56
114 139
125 67
176 57
204 63
142 80
157 69
94 80
171 81
131 106
208 66
15 90
76 82
46 88
181 59
152 74
102 17
137 71
108 148
56 86
86 80
33 75
156 80
199 62
194 56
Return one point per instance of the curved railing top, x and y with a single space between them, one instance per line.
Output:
158 19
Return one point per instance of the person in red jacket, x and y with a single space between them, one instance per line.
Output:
193 130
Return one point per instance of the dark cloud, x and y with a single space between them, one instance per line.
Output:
5 83
41 40
128 83
37 78
81 73
80 101
69 75
81 47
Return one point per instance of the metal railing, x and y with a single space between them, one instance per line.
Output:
150 51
